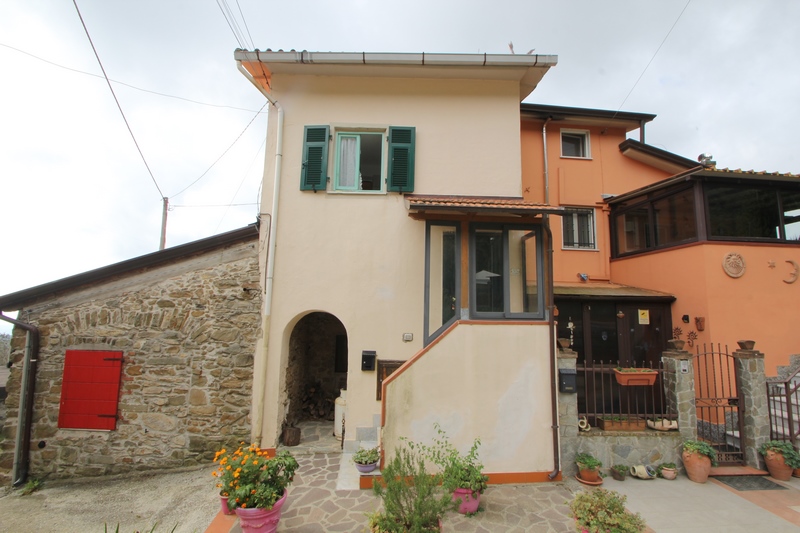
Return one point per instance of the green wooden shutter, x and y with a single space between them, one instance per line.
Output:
314 174
401 159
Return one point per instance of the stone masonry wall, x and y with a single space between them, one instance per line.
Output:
187 332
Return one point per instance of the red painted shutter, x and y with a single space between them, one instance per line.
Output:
90 390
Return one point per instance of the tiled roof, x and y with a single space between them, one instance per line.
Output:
752 172
475 204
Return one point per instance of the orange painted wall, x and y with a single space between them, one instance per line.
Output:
580 183
758 306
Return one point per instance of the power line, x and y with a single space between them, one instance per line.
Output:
123 83
244 21
244 177
232 24
214 205
654 56
223 153
116 100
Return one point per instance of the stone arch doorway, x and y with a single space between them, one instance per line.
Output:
316 369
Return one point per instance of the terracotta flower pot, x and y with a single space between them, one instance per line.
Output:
592 475
669 473
697 465
777 466
469 500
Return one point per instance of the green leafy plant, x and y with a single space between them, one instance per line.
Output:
662 466
601 511
702 448
621 469
587 461
413 499
367 456
31 486
458 471
785 448
251 479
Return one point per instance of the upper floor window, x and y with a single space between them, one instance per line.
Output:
575 143
578 229
753 212
359 161
366 159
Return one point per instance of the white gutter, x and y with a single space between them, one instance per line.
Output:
261 385
382 58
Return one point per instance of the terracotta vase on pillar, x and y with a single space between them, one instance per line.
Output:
697 465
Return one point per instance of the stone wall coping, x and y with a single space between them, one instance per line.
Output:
748 354
567 354
680 355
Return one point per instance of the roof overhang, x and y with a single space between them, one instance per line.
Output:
607 291
528 70
585 116
17 300
420 205
656 157
710 174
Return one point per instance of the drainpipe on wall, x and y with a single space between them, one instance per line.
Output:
258 418
24 420
551 313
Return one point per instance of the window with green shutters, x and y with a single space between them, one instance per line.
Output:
314 175
364 160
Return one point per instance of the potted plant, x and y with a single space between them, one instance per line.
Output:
600 510
620 423
462 475
667 470
698 458
781 458
635 376
366 459
256 485
411 497
588 468
619 472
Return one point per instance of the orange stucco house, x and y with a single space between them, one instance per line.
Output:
653 245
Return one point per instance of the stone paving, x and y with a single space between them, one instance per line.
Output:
316 506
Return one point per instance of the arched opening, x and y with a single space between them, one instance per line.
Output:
316 371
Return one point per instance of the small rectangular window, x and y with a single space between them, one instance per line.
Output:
90 390
575 143
359 161
578 229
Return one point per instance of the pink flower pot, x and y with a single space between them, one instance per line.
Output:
260 520
223 500
469 500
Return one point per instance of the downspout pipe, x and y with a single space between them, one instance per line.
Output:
25 418
551 313
258 419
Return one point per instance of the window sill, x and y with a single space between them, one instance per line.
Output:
576 249
576 157
359 193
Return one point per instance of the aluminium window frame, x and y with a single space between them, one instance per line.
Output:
429 336
587 145
506 314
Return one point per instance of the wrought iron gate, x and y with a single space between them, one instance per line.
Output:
719 402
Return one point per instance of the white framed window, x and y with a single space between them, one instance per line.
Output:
578 229
359 161
575 143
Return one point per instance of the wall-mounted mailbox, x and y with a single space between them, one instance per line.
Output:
368 360
567 380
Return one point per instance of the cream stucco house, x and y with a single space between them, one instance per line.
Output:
394 232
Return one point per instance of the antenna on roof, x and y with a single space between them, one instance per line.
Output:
705 159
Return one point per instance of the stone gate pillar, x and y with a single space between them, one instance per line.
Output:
567 412
678 381
751 384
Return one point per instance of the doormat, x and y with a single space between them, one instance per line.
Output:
743 483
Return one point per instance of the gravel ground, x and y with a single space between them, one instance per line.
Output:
185 500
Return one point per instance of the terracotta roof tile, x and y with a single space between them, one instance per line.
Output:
471 204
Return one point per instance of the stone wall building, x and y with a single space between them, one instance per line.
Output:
185 322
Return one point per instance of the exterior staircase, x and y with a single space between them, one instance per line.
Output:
783 398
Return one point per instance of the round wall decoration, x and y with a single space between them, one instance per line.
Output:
733 265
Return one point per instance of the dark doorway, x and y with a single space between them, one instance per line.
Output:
613 332
316 368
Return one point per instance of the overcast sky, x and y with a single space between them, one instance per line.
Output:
76 194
